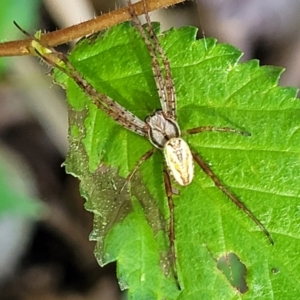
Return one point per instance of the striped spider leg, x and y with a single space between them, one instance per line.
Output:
164 132
117 112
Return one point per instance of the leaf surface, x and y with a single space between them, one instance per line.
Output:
262 170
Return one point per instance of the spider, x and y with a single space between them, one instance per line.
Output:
160 128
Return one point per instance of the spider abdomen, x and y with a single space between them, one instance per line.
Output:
179 160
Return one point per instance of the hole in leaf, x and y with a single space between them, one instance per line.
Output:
234 270
275 270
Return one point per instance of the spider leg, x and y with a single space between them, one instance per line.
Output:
103 102
145 157
169 86
218 129
169 193
110 107
206 169
165 85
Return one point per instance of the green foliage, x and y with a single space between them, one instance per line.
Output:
24 13
263 170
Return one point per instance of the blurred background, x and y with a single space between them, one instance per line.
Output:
44 230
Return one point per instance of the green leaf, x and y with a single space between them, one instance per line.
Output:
262 170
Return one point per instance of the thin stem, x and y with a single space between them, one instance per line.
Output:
65 35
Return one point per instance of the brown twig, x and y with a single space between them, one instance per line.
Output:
65 35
